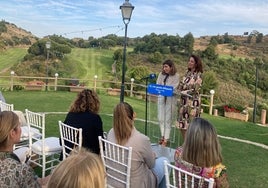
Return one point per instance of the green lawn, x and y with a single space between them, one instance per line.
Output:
10 57
90 62
247 164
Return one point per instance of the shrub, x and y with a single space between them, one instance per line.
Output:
18 87
234 108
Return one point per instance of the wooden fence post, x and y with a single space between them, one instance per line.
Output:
11 80
95 82
131 87
56 81
263 117
211 101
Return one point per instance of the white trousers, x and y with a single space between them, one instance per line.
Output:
166 111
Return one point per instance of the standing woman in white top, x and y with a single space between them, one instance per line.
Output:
167 105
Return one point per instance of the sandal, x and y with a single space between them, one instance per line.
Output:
160 142
165 142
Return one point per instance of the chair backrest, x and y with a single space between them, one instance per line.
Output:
181 178
21 116
71 138
6 107
117 162
37 121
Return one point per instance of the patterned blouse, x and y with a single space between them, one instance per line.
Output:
189 105
218 172
15 174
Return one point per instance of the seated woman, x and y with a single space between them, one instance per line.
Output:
83 114
80 170
146 169
201 153
13 173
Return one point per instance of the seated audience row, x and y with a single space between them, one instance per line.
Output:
200 153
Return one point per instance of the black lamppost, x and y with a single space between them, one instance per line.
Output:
255 95
48 45
257 62
126 10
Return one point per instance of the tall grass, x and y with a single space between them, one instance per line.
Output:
247 164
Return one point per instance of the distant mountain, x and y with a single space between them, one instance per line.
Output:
240 48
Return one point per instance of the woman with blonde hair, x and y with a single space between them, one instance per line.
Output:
201 153
80 170
146 169
13 173
83 114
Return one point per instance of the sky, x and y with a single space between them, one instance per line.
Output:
98 18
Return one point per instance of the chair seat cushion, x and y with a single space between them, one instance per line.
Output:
25 132
22 153
51 145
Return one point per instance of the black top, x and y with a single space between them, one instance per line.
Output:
91 125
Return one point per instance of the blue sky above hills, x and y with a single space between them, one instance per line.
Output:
84 18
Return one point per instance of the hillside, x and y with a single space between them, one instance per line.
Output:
242 49
13 36
84 61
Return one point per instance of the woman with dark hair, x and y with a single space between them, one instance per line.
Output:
190 105
147 171
83 114
167 105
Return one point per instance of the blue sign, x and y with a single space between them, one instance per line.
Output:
158 89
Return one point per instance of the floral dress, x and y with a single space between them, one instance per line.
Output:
189 105
15 174
218 172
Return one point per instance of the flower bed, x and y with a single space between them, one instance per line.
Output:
113 91
77 88
235 115
35 86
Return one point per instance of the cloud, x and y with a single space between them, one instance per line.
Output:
200 17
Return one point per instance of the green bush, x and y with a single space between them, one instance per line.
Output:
18 87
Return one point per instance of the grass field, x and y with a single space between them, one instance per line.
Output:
11 57
247 164
90 62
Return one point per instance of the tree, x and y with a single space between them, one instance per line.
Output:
259 38
138 72
39 48
210 53
249 39
156 57
209 82
118 55
188 43
117 65
26 40
3 28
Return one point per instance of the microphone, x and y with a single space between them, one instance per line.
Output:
151 76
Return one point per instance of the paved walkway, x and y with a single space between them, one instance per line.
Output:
245 141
